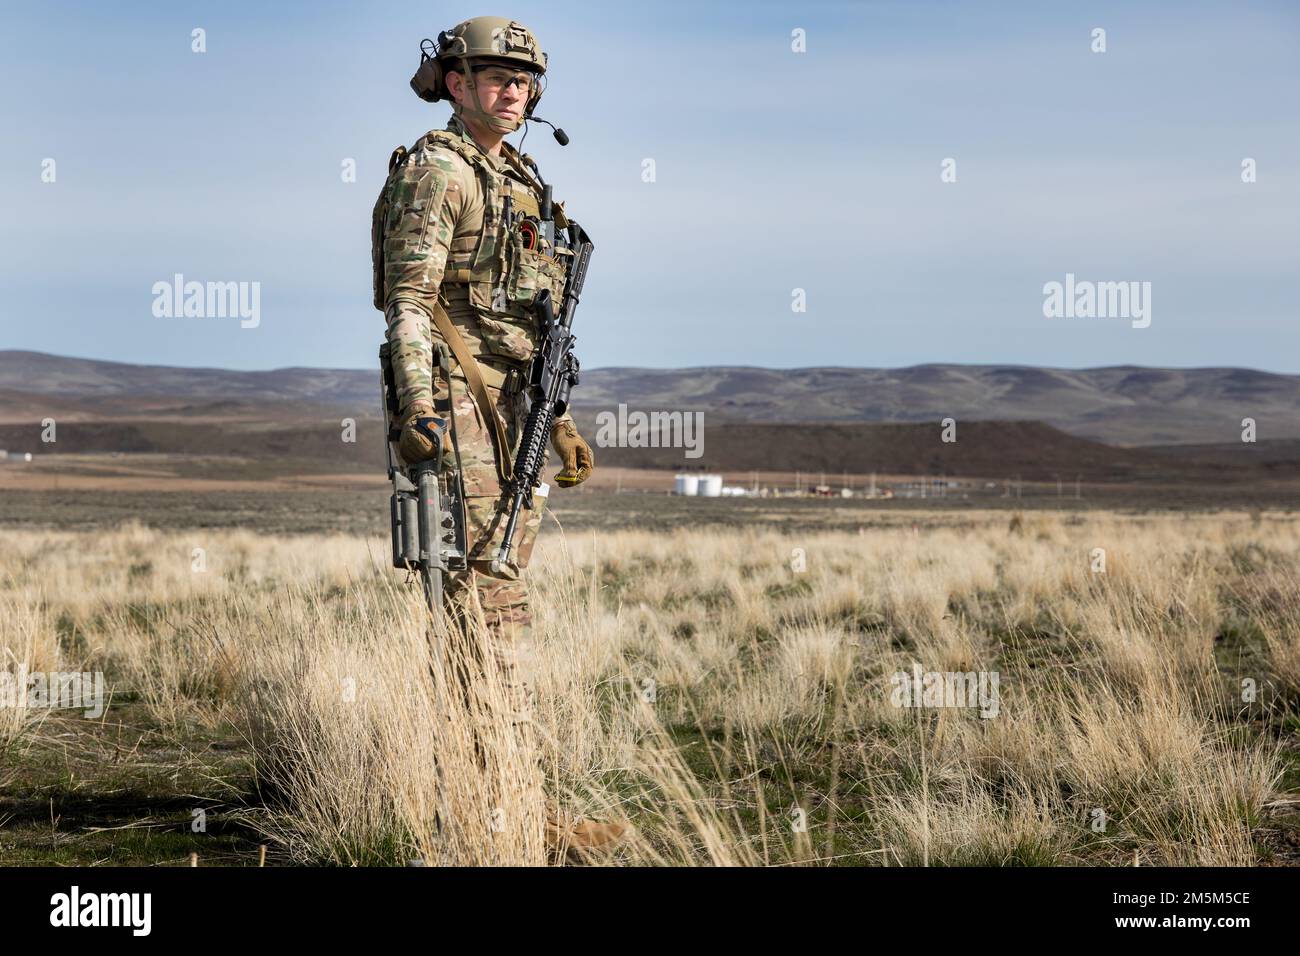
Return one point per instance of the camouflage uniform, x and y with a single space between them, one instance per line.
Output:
458 245
439 236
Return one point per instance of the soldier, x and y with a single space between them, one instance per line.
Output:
458 261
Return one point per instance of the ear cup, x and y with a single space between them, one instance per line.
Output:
427 82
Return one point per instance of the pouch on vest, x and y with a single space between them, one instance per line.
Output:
530 272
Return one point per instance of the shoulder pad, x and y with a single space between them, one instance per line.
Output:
446 139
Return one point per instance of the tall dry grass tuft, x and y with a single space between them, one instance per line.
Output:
602 708
28 645
1269 605
376 745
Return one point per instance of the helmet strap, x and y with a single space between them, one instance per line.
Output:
492 121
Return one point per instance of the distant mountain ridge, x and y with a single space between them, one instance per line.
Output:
1131 405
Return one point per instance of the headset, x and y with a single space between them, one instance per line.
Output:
429 81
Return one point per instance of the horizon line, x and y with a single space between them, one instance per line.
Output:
691 368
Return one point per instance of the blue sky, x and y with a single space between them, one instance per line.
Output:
775 171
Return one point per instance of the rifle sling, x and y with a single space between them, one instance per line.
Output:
478 389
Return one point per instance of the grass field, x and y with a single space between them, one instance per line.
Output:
730 691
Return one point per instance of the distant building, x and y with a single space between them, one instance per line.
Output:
702 486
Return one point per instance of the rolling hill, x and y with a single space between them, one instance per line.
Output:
1120 405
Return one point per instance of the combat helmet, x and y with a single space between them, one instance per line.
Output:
477 41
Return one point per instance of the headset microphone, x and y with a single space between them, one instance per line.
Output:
560 135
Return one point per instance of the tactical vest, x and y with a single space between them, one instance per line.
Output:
506 264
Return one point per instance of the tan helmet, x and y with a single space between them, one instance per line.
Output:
485 40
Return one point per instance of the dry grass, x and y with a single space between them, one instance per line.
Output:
29 646
728 693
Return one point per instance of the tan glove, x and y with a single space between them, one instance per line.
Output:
575 454
414 444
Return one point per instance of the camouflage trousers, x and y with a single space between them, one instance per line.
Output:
494 603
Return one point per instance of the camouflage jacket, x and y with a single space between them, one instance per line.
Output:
448 224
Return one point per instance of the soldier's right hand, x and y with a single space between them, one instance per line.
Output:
414 444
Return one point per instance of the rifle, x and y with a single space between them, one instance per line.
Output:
427 525
552 374
425 513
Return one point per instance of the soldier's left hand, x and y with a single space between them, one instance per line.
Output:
574 453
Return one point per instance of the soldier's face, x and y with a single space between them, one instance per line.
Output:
502 91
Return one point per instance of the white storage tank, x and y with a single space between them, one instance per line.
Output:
711 486
687 485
